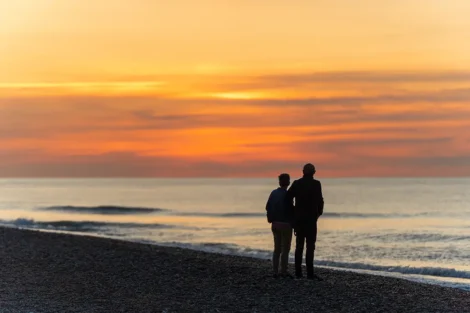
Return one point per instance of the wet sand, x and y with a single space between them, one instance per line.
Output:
47 272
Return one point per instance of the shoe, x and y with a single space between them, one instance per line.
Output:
275 276
299 276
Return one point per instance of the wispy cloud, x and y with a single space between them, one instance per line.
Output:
227 86
367 77
369 133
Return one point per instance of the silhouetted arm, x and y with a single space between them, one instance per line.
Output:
268 205
321 202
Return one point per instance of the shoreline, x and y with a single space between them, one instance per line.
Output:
57 272
456 282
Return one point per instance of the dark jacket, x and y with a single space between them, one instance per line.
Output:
308 196
277 209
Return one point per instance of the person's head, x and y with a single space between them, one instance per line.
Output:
309 169
284 180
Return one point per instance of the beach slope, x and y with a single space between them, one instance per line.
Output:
47 272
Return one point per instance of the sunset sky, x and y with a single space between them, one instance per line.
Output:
220 88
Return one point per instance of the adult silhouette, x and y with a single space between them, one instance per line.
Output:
308 207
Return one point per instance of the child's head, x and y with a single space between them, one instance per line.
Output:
284 180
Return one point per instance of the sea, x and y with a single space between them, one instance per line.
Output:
412 228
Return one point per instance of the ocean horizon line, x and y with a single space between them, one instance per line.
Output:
222 177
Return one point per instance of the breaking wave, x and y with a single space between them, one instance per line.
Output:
104 209
425 271
415 237
82 226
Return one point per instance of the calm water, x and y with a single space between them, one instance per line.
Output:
413 228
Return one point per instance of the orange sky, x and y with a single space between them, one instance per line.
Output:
234 88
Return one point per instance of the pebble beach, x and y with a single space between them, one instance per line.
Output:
51 272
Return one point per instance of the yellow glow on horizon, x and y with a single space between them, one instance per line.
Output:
77 88
239 95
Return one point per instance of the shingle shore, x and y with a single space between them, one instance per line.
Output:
47 272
